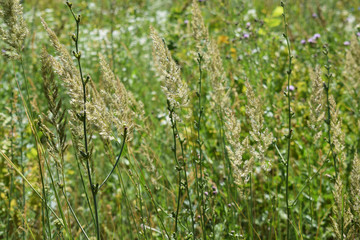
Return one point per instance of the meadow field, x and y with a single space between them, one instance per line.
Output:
192 119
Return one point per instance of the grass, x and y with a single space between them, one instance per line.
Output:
242 124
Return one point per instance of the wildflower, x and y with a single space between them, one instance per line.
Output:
358 34
186 21
248 25
215 192
346 43
311 40
16 31
314 15
206 193
303 41
246 36
316 36
291 88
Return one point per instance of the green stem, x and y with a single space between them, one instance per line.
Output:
187 184
73 213
328 120
12 159
199 142
289 123
178 167
77 54
251 209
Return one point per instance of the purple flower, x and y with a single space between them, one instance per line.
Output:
246 35
303 41
316 36
314 15
248 24
213 188
186 21
292 88
229 205
311 40
206 193
215 192
3 50
346 43
358 34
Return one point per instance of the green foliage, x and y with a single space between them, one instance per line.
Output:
192 164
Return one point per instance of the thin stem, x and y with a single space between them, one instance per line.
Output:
73 213
199 142
251 208
309 180
29 117
117 160
23 184
12 159
77 54
141 211
281 156
187 184
178 167
7 159
57 197
226 156
328 120
83 184
285 34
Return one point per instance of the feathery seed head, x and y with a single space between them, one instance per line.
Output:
261 135
66 70
200 32
355 187
316 103
220 92
15 31
337 135
111 108
175 89
342 217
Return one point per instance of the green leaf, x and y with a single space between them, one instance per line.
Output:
278 11
272 22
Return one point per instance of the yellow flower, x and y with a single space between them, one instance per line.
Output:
223 39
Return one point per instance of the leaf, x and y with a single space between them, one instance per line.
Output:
278 11
261 31
272 22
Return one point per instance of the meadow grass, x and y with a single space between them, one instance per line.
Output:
180 119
